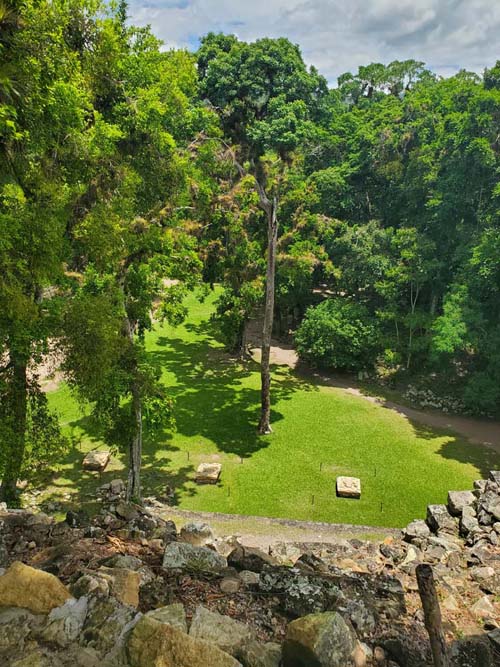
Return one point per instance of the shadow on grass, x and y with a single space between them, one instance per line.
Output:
481 457
215 399
81 485
212 393
457 447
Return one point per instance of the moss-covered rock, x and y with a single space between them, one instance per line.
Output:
25 587
319 640
155 644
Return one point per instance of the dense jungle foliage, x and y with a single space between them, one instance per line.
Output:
130 172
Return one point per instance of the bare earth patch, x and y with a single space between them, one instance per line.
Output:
264 532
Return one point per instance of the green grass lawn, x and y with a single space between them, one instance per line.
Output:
319 432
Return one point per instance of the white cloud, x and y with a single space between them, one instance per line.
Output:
339 35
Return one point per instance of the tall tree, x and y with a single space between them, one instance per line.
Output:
132 240
43 127
267 100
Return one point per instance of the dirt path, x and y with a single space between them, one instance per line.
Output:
477 431
264 532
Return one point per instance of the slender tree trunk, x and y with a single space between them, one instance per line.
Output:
265 373
135 451
17 413
243 341
410 344
433 307
414 294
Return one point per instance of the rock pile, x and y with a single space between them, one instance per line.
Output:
126 589
464 534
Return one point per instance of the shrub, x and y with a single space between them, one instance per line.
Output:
482 394
338 334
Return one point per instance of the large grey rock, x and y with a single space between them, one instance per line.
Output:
96 460
182 556
417 529
361 597
494 476
107 624
439 519
318 640
494 509
487 578
196 533
469 524
489 502
483 608
484 518
457 500
479 486
229 635
448 543
172 614
301 594
66 622
127 511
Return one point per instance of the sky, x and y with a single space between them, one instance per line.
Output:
339 35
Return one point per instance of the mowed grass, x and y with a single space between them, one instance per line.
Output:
319 432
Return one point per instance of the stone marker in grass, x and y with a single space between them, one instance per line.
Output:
208 473
348 487
96 460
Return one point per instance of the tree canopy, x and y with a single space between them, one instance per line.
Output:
362 219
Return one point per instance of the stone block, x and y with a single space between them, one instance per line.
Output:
348 487
96 460
208 473
172 614
123 584
226 633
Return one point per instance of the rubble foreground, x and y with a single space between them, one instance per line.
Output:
127 589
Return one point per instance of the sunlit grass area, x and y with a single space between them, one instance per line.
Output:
319 432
